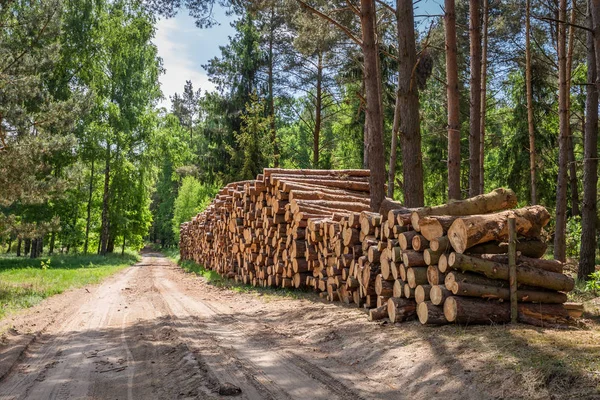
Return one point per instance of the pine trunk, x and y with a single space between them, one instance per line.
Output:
483 107
587 256
563 118
373 96
410 131
318 112
104 230
89 210
530 125
453 101
475 97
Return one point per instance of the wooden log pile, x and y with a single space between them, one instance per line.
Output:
314 229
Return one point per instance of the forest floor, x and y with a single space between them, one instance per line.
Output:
153 331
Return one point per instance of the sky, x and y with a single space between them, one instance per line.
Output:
185 48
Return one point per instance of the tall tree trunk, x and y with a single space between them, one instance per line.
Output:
104 230
475 96
483 107
318 111
373 97
89 210
530 127
394 147
587 255
52 243
453 101
123 246
19 243
271 90
27 248
570 144
563 124
410 130
10 240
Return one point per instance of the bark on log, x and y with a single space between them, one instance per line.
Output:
438 294
525 275
500 293
375 314
416 276
534 248
467 232
389 209
441 244
431 314
499 199
547 265
433 227
434 276
467 310
400 309
422 293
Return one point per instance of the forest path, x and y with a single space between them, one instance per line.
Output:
148 332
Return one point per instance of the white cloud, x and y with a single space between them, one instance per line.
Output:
176 40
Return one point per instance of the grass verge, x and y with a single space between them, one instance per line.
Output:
25 282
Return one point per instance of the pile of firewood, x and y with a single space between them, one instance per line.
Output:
314 229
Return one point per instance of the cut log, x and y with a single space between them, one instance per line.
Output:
441 244
575 310
419 243
467 232
499 293
375 314
433 227
416 276
431 314
405 240
438 294
534 248
400 309
412 258
431 257
383 287
467 310
497 200
398 290
422 293
434 276
547 265
525 275
389 209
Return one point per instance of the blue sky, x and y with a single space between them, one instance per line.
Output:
185 48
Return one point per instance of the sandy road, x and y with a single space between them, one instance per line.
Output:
144 334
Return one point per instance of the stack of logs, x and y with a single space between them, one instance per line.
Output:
314 229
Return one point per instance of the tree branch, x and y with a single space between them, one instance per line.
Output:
341 27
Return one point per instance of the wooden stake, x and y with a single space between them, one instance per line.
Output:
512 267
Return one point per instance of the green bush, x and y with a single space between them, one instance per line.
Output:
593 285
193 197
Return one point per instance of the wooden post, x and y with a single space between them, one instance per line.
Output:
512 267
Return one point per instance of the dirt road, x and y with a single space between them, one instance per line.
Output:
154 332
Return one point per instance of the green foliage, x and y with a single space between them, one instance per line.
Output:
193 197
593 284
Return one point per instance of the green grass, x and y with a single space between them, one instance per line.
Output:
25 282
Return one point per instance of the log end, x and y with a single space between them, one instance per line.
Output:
458 236
450 309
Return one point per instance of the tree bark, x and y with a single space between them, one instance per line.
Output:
431 314
89 210
563 117
530 123
19 243
373 96
526 275
453 101
27 247
410 131
483 107
534 248
318 115
400 309
475 97
271 90
467 232
104 230
573 186
52 243
502 293
394 147
587 256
